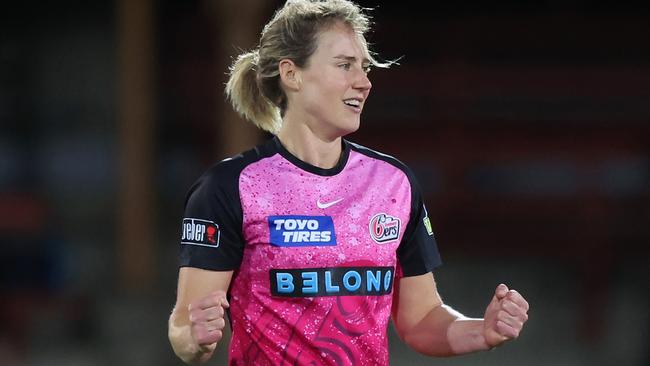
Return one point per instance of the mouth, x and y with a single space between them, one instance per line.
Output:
354 103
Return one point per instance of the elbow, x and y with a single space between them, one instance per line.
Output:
426 341
426 346
412 340
415 343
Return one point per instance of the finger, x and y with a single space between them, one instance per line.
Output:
216 312
515 310
216 324
214 299
513 321
501 291
515 296
223 298
196 314
205 303
205 337
507 330
204 315
206 333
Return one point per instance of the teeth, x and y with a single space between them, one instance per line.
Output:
352 102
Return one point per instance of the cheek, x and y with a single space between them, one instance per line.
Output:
331 81
324 93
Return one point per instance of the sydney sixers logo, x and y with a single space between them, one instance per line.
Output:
384 228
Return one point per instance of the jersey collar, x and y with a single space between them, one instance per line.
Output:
345 153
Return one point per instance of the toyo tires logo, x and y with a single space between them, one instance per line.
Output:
384 228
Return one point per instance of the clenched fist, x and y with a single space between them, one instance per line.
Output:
505 316
207 319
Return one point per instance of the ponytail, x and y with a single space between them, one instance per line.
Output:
254 87
244 93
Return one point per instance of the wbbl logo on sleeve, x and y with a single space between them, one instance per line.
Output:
301 231
200 232
384 228
427 222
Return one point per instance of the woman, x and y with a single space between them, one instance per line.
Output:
311 242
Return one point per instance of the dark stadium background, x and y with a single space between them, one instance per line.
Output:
527 124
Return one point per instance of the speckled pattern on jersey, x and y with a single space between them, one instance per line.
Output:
306 293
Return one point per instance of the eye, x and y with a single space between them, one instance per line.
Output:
366 68
345 66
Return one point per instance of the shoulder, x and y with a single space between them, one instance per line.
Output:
374 154
225 173
231 167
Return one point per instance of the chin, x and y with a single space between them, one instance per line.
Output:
348 129
341 126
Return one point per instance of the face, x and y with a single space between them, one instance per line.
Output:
334 84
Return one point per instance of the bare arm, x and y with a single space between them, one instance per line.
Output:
197 321
435 329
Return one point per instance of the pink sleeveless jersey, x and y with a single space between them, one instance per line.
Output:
316 252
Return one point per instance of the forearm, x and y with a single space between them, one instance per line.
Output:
445 332
466 335
183 344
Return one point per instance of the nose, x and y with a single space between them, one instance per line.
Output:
362 82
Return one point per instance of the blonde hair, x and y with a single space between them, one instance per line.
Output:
254 84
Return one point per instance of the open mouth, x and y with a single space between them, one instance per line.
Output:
354 103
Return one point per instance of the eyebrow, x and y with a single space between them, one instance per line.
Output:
351 58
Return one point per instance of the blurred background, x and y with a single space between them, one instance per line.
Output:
527 124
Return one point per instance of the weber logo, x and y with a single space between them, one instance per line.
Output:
200 232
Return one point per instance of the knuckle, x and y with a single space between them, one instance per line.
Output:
507 305
213 337
195 317
499 327
204 340
503 328
209 314
217 335
218 314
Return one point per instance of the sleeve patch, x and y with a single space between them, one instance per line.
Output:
427 225
200 232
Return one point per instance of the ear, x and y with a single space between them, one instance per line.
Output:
289 74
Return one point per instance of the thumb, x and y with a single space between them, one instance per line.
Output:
501 291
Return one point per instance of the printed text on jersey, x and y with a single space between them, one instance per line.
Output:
200 232
335 281
301 231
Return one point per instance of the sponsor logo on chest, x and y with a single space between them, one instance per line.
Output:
333 281
298 230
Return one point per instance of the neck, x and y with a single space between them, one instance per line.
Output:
310 146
